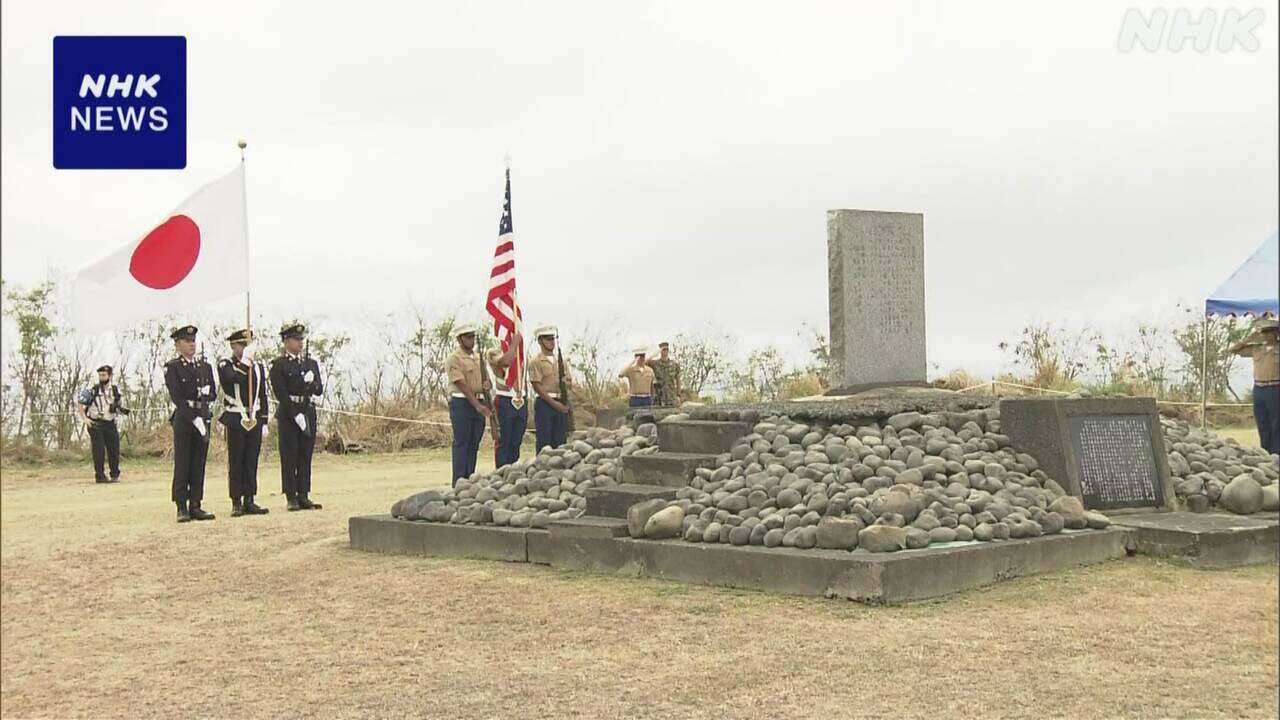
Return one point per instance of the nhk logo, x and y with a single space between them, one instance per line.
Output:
119 102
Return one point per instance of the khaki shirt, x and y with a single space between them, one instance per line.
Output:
463 366
1266 362
639 378
544 369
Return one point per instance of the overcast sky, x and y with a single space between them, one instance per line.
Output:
673 162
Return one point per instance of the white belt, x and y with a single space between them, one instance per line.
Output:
644 395
554 395
461 395
505 393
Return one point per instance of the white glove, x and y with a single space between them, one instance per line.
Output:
264 431
206 391
247 354
308 376
199 423
301 420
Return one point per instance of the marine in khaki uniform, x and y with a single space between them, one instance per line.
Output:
550 410
1263 347
467 411
513 414
639 377
666 377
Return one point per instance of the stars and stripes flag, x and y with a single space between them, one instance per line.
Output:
501 303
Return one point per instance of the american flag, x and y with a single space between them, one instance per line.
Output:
501 303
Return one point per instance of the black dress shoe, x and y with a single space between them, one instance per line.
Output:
250 508
115 478
101 481
236 508
197 513
183 515
305 503
293 504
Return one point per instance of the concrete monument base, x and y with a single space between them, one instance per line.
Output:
889 578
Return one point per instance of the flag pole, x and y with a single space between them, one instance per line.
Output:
244 198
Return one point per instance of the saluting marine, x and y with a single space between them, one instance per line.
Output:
295 380
191 389
666 377
513 414
550 409
244 413
639 377
98 407
467 411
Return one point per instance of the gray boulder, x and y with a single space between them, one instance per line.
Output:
639 514
838 533
1243 495
663 524
882 538
1071 510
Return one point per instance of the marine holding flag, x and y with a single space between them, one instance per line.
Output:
189 380
507 360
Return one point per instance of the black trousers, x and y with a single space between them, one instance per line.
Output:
243 448
468 431
104 439
511 426
1266 412
551 427
190 450
296 449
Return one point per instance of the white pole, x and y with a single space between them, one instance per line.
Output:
244 197
1204 371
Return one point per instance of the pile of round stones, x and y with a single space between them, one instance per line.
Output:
1209 471
533 493
915 480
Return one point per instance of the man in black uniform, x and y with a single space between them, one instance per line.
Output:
191 388
244 413
98 407
295 380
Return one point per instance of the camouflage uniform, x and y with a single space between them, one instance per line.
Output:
666 374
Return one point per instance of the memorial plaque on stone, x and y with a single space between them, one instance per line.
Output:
1115 462
1109 452
875 266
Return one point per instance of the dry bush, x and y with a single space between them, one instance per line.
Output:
802 385
960 379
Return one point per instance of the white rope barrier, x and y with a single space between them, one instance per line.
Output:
993 383
384 417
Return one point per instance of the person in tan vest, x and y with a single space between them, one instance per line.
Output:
1263 346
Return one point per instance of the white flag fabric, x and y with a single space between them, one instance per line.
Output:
197 254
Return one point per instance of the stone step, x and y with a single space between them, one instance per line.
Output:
699 436
615 500
669 469
590 526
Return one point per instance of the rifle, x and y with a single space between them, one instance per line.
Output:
564 388
489 402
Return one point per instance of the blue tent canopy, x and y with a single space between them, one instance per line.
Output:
1253 288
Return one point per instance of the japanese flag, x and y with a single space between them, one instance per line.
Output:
197 253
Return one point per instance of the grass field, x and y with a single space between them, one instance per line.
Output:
110 609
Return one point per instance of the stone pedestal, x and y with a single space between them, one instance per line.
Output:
875 265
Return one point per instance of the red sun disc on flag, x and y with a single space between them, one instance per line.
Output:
167 254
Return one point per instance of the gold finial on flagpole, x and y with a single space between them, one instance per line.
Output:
241 144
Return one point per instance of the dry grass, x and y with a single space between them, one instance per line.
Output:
112 610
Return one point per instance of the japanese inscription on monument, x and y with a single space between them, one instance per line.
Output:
875 264
1116 465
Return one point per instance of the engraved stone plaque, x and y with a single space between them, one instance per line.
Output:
875 265
1117 468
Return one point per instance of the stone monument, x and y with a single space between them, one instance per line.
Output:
875 265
